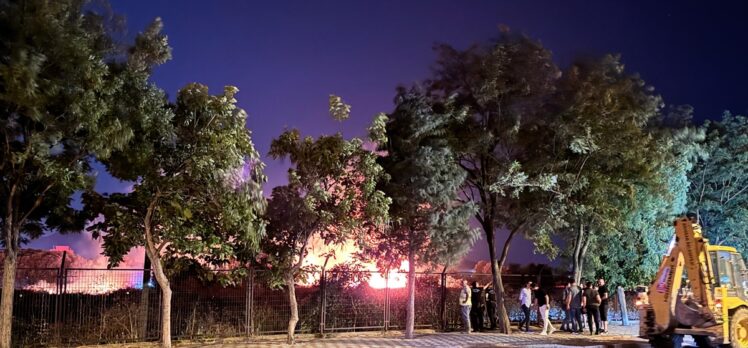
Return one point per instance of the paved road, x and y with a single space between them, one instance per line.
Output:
619 336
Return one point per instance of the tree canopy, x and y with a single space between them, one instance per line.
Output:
505 87
331 195
719 182
198 194
607 154
429 225
64 83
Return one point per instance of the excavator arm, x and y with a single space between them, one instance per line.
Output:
689 253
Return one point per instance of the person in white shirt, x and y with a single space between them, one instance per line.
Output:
465 302
525 299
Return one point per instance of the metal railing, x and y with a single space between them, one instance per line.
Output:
67 306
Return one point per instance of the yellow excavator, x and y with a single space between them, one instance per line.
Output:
700 290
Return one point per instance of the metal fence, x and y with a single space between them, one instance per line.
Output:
67 307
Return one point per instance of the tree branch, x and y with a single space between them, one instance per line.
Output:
37 202
731 197
149 241
505 248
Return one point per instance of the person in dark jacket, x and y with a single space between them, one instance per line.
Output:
478 309
602 289
591 301
543 304
491 306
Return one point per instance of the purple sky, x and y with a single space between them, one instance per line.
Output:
286 57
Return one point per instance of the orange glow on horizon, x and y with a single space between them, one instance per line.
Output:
346 254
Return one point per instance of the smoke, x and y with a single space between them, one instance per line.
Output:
38 271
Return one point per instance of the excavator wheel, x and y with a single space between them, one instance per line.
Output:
739 329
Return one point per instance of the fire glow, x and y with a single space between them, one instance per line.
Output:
39 271
99 284
395 278
90 276
345 254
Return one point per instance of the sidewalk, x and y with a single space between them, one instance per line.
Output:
619 336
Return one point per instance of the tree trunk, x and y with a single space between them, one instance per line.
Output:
410 310
6 308
576 258
583 253
294 308
503 322
581 244
498 285
163 283
11 234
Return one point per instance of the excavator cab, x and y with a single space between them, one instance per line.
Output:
700 290
731 272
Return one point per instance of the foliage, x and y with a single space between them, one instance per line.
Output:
719 183
198 170
198 194
429 224
505 87
609 161
426 216
649 219
331 195
64 84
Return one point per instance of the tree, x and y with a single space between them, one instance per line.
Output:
719 183
428 223
607 155
648 224
198 193
63 81
331 195
506 87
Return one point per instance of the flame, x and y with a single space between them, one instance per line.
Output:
344 254
396 278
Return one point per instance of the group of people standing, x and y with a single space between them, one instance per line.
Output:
589 300
475 301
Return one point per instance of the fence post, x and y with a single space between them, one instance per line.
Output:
322 301
386 301
624 308
443 301
145 297
249 303
63 294
58 298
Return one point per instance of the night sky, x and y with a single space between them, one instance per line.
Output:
286 57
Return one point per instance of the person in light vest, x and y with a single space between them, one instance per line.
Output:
465 306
